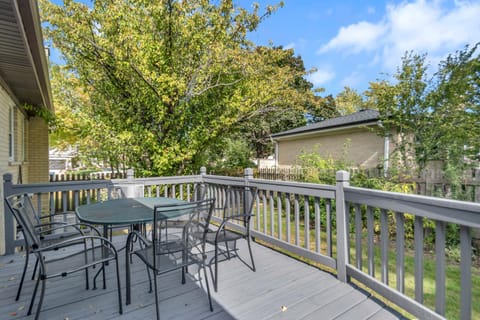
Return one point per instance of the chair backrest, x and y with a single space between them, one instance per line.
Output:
239 202
198 192
23 211
199 215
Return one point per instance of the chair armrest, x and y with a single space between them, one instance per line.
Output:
61 225
140 237
45 216
221 227
75 241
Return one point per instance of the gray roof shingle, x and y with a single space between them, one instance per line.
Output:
363 116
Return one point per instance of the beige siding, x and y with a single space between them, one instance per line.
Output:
5 103
364 148
37 154
30 151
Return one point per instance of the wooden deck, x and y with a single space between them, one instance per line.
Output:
282 288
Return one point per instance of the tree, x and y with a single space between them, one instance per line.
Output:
437 118
170 77
348 101
76 124
284 114
403 109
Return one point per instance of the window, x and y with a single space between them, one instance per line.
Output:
11 130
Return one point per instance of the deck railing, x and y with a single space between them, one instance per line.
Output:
345 229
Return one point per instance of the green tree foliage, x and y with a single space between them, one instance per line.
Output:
322 108
348 101
437 118
282 114
169 78
77 124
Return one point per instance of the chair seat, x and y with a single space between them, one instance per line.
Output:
224 235
169 256
75 261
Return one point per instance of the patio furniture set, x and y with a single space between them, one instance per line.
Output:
165 234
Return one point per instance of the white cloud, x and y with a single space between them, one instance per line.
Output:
291 45
356 37
353 79
321 77
424 26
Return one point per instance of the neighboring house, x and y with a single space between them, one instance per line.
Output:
365 149
23 81
62 160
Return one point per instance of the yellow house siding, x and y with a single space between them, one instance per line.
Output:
37 155
364 148
30 151
5 167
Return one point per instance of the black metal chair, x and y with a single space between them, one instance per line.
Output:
162 255
174 227
235 225
83 252
49 233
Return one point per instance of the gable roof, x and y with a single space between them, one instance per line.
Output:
362 117
23 62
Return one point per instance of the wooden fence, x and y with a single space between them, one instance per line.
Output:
86 176
428 183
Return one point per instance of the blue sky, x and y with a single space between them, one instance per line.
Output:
352 42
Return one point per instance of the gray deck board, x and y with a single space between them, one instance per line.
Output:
280 281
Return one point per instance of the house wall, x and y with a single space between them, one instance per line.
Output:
37 151
30 164
5 166
365 148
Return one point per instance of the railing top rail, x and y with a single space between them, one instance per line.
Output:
304 188
59 186
213 179
160 180
453 211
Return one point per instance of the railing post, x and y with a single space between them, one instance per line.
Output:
343 178
248 174
203 173
130 175
132 190
7 215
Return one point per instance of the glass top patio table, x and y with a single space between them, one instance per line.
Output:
126 211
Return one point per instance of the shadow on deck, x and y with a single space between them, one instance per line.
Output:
281 288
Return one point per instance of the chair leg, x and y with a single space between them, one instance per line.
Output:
23 275
208 286
157 308
35 269
149 281
120 308
104 265
215 281
34 293
251 255
127 280
40 301
128 260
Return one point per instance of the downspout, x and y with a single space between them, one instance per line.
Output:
386 148
275 143
386 154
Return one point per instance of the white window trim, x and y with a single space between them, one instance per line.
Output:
11 134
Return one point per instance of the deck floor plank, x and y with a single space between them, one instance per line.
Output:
305 292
